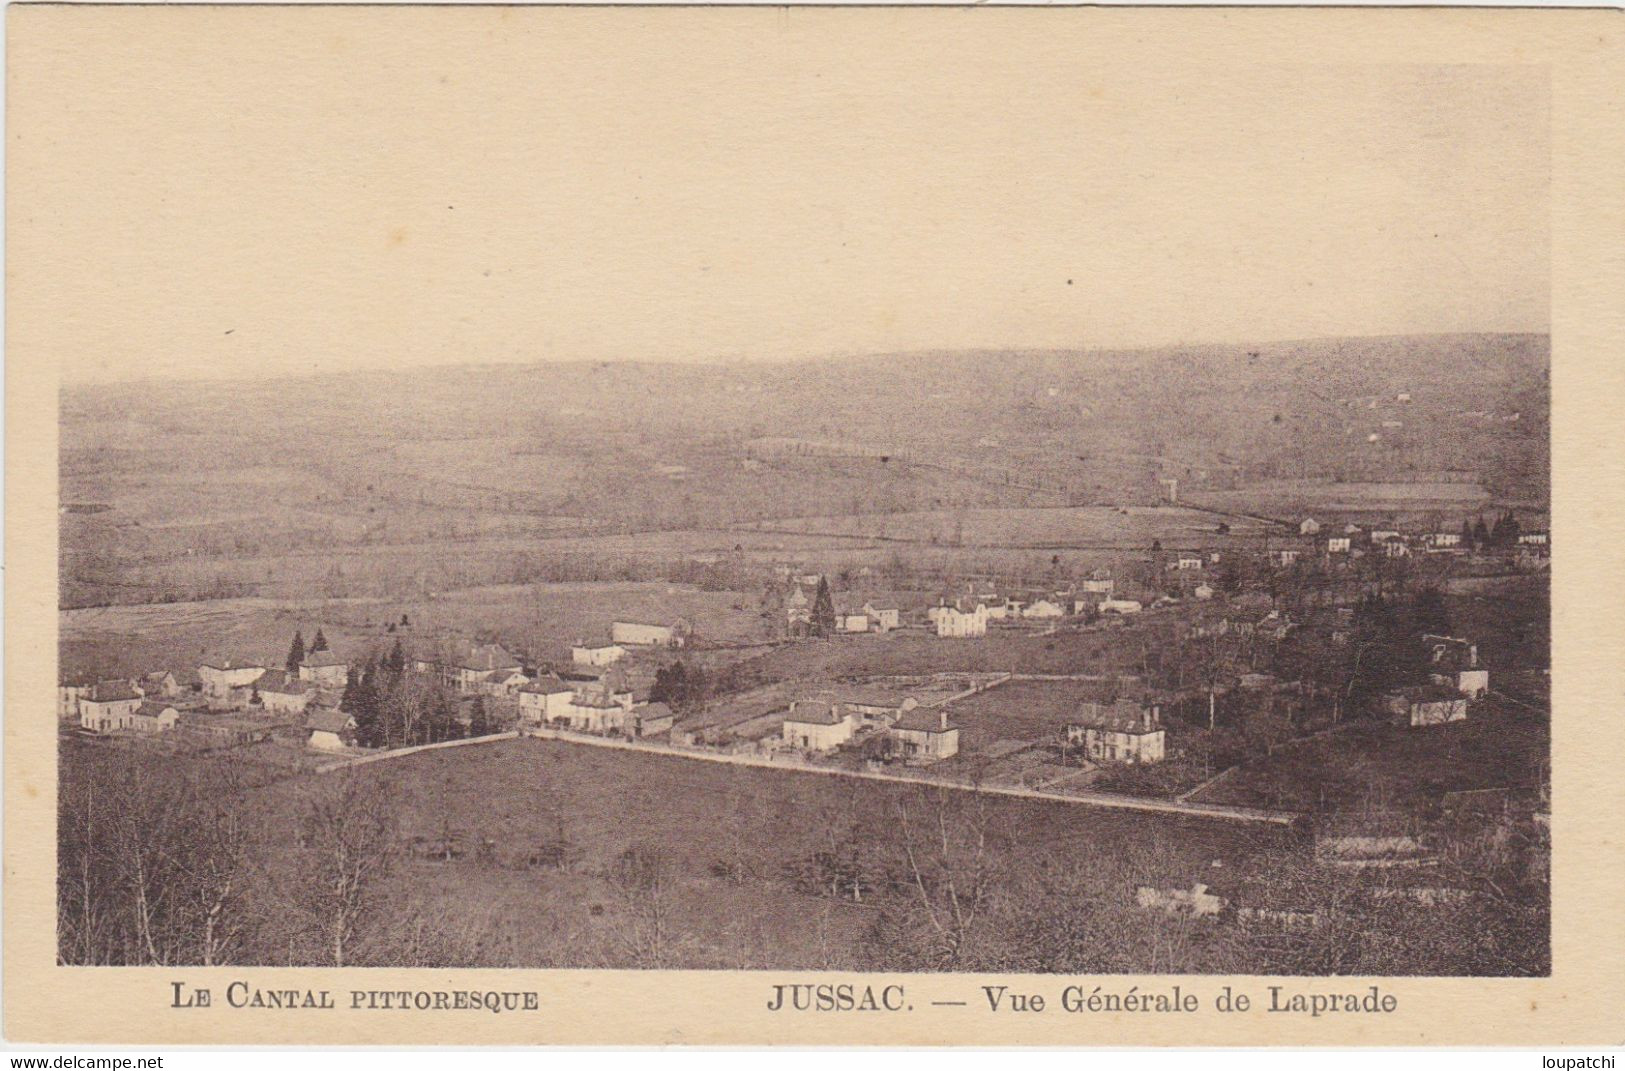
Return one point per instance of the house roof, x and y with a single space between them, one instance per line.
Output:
656 710
323 720
113 692
548 685
925 720
279 682
324 658
489 656
151 709
1122 716
815 712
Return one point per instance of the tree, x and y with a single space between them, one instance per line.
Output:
347 848
479 722
296 653
319 643
406 622
823 610
395 661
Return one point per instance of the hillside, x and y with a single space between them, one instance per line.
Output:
226 470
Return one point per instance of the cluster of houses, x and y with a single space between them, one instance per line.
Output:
202 705
1355 540
903 727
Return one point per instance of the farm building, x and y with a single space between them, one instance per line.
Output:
1425 706
281 694
638 634
152 716
1120 606
331 730
818 725
1284 556
924 735
597 654
1044 608
215 730
1124 731
1203 591
851 622
324 669
228 682
108 706
1308 526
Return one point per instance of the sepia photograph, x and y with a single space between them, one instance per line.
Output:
849 531
686 525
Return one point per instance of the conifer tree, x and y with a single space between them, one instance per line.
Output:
296 653
319 643
823 610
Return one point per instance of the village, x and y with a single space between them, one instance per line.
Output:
1303 634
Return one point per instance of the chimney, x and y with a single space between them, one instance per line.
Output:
1472 655
945 719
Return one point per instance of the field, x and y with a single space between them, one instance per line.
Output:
697 815
1091 527
539 620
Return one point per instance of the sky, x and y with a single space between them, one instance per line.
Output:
215 191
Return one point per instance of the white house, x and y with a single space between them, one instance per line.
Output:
544 699
1533 539
924 735
597 654
1099 583
851 622
1338 545
959 624
505 682
1124 731
469 674
1284 556
1443 539
108 706
1308 526
324 669
885 618
1203 591
1188 561
818 725
1425 706
1120 606
1044 608
639 634
331 730
152 716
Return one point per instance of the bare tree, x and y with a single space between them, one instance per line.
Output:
348 847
